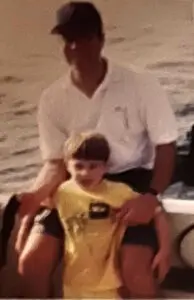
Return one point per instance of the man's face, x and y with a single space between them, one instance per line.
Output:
87 173
83 52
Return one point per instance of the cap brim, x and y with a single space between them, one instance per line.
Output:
69 34
56 30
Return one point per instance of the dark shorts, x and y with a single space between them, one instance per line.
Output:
139 179
47 221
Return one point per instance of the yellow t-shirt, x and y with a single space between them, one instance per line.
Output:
91 244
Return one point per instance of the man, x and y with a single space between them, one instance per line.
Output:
132 111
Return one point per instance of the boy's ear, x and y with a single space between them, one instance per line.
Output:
67 164
105 167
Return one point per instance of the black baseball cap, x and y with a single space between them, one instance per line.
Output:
78 20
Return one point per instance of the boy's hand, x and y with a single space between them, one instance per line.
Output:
161 264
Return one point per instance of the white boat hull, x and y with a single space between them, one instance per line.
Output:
181 216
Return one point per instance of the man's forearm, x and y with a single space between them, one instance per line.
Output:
163 231
51 175
163 167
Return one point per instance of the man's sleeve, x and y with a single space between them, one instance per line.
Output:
51 138
157 112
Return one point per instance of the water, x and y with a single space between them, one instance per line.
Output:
156 35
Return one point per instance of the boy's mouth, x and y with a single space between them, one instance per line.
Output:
86 182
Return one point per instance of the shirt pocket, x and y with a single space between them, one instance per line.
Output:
114 123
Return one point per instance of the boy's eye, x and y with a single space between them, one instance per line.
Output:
79 166
93 166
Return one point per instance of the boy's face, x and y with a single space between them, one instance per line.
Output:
87 173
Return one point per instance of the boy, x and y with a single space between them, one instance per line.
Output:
86 204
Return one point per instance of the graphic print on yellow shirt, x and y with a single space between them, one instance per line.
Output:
91 244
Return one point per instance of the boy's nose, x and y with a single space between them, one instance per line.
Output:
84 172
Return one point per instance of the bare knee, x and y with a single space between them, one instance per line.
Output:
29 265
36 264
35 278
136 271
40 255
141 285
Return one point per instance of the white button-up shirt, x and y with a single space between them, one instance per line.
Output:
129 108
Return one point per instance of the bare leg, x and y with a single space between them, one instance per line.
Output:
23 233
36 264
136 271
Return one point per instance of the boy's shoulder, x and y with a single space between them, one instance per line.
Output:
119 187
116 189
117 193
67 186
65 191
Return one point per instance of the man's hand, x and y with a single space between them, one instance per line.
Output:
52 174
161 264
25 226
139 210
30 203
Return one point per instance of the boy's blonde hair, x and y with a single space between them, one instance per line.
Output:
88 146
